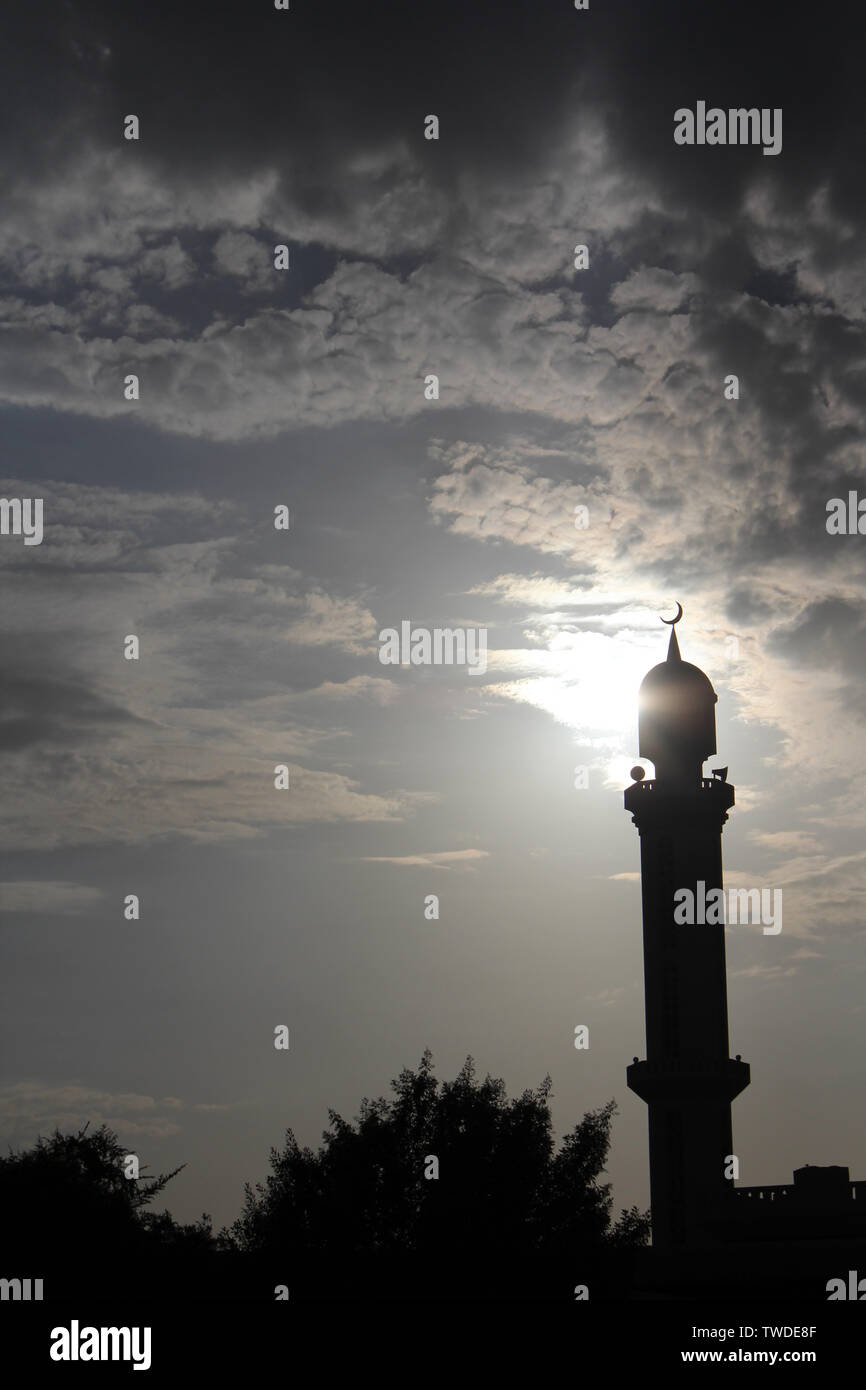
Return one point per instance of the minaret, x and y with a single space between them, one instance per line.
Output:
688 1080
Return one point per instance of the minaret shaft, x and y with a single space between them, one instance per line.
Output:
688 1079
684 965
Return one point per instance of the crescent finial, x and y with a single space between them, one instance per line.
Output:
671 621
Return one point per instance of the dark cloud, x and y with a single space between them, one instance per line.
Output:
233 87
828 635
224 87
44 708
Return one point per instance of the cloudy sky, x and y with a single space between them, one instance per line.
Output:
601 388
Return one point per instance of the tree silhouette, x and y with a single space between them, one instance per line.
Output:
70 1216
504 1199
508 1212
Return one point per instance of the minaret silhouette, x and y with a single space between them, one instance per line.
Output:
688 1080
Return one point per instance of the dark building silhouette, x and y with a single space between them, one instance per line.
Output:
688 1080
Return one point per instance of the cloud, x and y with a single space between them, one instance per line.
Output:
654 290
203 795
484 495
185 740
600 388
326 620
786 842
379 691
357 348
239 254
50 898
440 859
770 974
538 591
30 1108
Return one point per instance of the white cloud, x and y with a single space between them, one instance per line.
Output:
440 859
657 291
380 692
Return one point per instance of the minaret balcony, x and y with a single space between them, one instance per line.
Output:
673 1081
686 795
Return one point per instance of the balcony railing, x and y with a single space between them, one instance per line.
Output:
651 784
712 791
773 1193
776 1192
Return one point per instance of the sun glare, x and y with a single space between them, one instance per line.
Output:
589 681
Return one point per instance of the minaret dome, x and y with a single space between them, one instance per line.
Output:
677 715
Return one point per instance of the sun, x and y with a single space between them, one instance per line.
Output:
589 681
